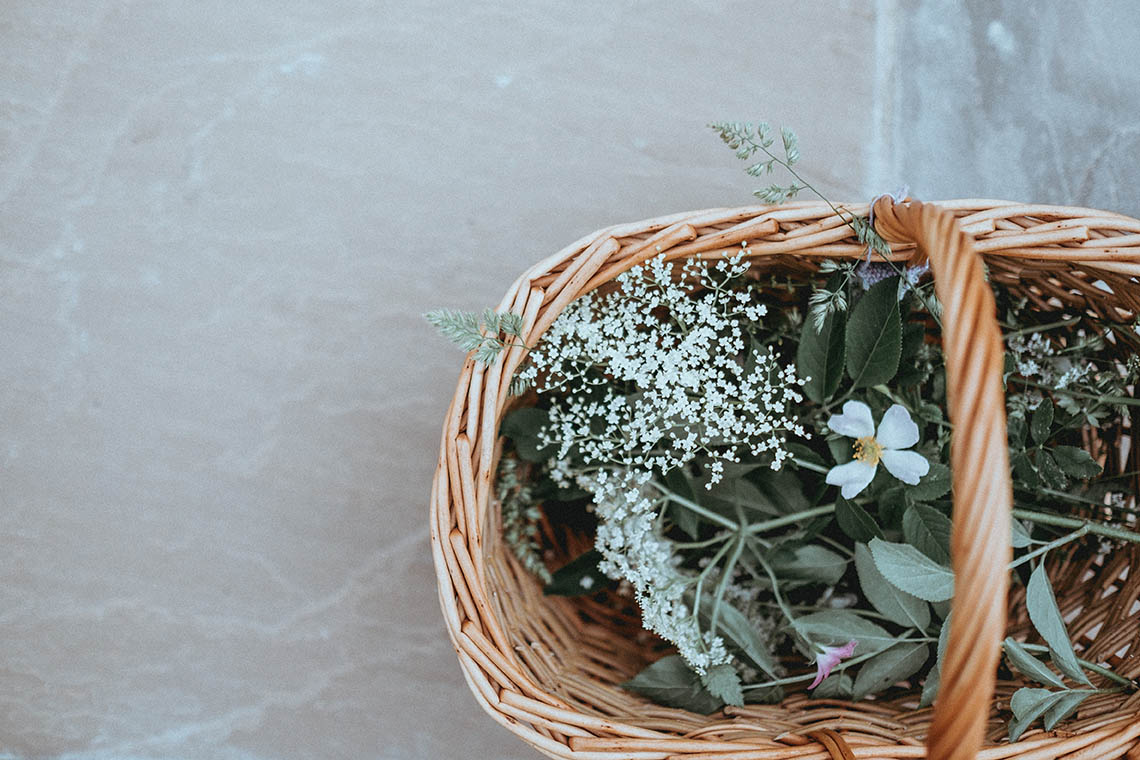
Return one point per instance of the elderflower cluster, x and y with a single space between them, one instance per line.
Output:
652 376
634 550
649 378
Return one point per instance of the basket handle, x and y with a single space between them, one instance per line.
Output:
979 456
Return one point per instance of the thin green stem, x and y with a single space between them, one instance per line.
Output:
1078 533
701 582
692 506
775 584
1070 522
1091 666
1126 400
810 465
718 538
1041 328
840 667
795 517
729 567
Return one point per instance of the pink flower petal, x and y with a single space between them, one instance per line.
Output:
829 658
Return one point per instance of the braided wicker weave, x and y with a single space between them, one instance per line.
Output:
547 668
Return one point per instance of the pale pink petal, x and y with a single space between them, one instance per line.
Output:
897 430
852 477
829 658
854 422
907 466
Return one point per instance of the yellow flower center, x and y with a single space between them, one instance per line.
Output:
868 450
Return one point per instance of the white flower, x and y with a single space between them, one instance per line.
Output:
897 431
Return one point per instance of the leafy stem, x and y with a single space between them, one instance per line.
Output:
1069 522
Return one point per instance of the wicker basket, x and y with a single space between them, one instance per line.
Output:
547 668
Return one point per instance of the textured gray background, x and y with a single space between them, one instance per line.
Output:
220 222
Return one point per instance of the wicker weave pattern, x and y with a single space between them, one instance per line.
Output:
546 667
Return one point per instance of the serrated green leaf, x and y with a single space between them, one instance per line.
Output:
933 484
740 634
1017 430
1024 470
1076 462
1049 470
522 426
811 562
1066 706
821 356
874 335
912 571
887 668
1029 666
723 683
670 681
855 522
1032 703
1042 421
896 605
928 530
1046 617
579 576
837 627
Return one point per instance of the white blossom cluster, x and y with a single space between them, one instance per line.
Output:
1035 356
634 549
648 378
651 376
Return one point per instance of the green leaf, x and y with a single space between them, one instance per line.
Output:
928 530
1025 700
1028 705
782 488
821 355
580 576
897 606
837 627
723 683
934 677
669 681
731 493
1076 462
854 521
522 426
739 633
892 505
1016 428
933 484
1020 537
811 562
1049 470
683 517
887 668
1029 666
835 686
1042 421
1024 470
1046 616
874 335
912 571
1065 706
